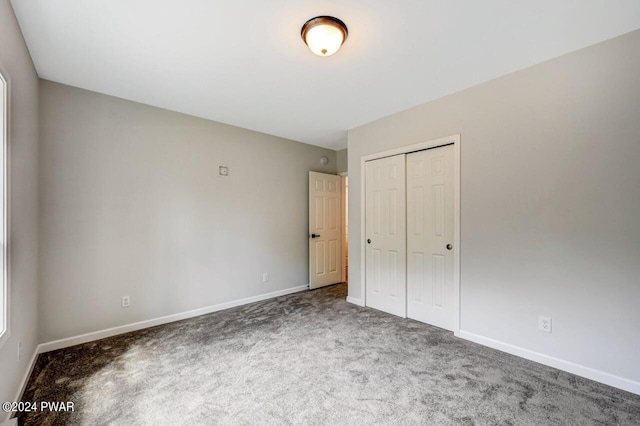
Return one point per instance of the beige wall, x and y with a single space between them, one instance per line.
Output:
550 202
132 204
17 68
342 161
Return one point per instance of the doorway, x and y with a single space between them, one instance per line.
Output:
345 227
325 229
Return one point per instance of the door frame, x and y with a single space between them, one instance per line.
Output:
434 143
343 230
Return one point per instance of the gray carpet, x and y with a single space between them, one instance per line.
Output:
311 358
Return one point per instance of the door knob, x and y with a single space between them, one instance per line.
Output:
315 235
449 246
368 240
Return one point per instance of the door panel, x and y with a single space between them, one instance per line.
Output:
325 251
385 227
429 230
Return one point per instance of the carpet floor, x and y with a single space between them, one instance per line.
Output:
310 358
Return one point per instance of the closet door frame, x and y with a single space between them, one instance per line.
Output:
449 140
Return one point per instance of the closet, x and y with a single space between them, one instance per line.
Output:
409 231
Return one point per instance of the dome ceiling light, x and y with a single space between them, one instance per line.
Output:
324 34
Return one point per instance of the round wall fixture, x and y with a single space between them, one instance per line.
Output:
324 34
324 161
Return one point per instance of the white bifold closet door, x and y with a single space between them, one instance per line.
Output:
430 218
385 230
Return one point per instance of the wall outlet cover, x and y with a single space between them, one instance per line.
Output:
544 324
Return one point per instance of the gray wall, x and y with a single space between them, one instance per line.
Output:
132 204
550 202
342 161
17 68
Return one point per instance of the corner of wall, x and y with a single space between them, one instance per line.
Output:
23 205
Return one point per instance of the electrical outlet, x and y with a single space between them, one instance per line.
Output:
544 324
265 277
19 350
126 301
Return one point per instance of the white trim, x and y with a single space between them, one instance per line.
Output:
343 174
27 374
355 301
570 367
455 140
457 172
363 235
343 219
5 279
114 331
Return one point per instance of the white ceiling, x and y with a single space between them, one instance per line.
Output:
244 63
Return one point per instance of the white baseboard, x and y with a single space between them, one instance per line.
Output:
96 335
570 367
355 301
25 379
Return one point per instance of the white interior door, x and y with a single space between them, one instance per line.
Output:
325 239
385 233
430 248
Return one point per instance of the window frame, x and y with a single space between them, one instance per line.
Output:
5 294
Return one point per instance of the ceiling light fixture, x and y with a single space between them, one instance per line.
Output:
324 34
